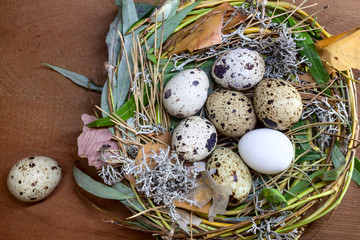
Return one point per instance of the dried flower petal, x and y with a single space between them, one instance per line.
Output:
91 140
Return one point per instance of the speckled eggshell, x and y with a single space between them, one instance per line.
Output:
34 178
231 112
277 104
228 169
239 69
194 139
185 94
267 151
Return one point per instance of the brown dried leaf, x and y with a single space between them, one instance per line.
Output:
342 51
91 140
206 31
206 190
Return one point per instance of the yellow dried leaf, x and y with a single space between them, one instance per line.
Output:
341 51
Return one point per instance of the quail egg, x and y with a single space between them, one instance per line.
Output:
231 112
277 104
194 138
228 169
266 150
239 69
34 178
185 94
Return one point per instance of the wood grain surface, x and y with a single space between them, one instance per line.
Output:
40 114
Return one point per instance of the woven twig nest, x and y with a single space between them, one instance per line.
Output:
323 139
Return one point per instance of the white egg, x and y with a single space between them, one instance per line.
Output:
267 151
185 94
194 139
34 178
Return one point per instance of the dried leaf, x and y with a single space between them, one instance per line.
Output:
91 140
206 190
206 31
342 51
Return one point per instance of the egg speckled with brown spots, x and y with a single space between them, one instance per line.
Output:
34 178
228 169
231 112
185 94
239 69
277 103
194 139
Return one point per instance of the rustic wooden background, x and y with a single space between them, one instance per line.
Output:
40 114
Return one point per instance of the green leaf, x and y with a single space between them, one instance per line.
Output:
304 145
129 14
333 174
96 188
337 156
170 25
356 171
125 112
143 16
168 9
308 50
76 78
144 10
302 185
273 196
309 156
131 202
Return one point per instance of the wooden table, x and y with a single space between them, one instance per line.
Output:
40 114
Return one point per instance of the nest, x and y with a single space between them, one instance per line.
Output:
324 139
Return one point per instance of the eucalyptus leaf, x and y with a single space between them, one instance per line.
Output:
170 25
129 14
337 156
356 171
273 196
144 10
113 44
125 112
76 78
304 145
333 174
238 219
104 99
302 185
308 49
309 156
168 9
96 188
131 202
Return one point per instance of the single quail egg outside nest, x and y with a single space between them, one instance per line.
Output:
277 104
34 178
194 139
228 169
185 94
231 112
239 69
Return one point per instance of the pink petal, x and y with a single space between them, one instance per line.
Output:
91 140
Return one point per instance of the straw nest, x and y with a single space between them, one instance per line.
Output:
324 139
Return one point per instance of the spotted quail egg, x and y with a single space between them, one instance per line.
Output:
228 169
238 69
231 112
34 178
194 138
277 104
185 94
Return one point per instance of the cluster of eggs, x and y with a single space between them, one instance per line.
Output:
229 111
